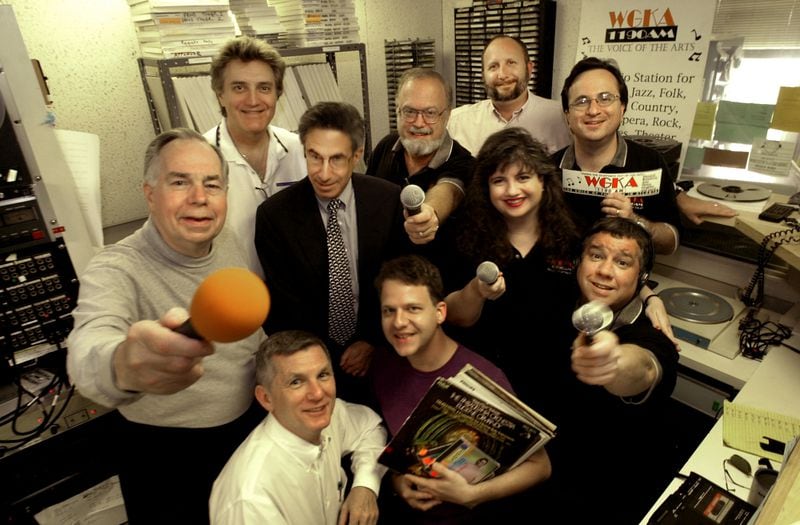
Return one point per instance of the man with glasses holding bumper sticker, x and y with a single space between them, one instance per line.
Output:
603 173
423 153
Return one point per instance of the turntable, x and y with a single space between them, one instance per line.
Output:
702 318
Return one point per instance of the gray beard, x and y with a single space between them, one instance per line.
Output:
421 147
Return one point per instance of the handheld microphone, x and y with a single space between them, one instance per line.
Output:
488 272
412 198
229 305
592 317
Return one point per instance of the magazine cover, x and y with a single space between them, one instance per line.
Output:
448 416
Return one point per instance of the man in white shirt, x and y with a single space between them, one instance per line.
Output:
247 77
288 471
507 68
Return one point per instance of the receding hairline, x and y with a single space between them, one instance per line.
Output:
154 153
523 49
417 74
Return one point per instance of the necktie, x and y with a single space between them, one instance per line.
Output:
341 303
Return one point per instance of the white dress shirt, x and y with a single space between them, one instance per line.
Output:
276 477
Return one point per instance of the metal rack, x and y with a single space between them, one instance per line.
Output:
157 75
533 21
400 56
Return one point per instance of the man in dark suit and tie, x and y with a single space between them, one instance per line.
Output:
321 243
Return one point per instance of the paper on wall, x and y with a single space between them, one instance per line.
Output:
82 153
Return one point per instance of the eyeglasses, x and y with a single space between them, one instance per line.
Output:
336 162
603 100
742 467
430 115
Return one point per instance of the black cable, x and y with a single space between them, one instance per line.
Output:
769 244
756 336
47 418
50 414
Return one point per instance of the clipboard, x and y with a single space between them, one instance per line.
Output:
757 431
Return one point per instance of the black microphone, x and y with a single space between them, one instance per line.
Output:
488 272
592 317
412 198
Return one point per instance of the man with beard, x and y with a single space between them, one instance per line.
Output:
507 68
423 153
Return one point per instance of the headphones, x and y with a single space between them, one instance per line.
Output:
643 278
648 259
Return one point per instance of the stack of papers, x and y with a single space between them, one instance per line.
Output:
757 431
317 22
293 20
330 22
181 28
257 18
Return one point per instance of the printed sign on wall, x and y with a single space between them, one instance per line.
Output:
661 48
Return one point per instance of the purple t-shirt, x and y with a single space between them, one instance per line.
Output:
399 386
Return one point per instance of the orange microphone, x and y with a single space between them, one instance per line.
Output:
229 305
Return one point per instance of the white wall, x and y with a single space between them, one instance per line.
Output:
88 50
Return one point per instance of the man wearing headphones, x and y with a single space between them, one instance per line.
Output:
622 378
615 264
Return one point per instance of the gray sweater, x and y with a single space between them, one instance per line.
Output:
141 278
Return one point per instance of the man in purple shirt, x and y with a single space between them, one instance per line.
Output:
412 313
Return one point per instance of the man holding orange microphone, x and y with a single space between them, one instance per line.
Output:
184 401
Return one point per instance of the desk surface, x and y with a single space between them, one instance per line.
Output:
773 386
750 225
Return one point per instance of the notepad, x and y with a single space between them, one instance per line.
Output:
752 429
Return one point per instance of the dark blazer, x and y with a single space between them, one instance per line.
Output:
291 245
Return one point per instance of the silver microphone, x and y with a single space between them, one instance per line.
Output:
488 272
592 317
412 198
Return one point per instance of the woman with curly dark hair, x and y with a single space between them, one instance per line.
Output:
515 216
514 150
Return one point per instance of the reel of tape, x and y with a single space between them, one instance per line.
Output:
734 191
